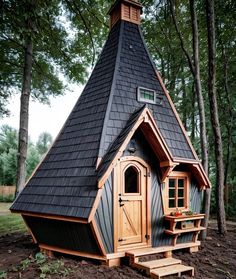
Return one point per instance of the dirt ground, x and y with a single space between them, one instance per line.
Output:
216 259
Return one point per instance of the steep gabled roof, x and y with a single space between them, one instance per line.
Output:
136 69
65 183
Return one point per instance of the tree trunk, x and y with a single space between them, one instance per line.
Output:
201 107
24 103
24 119
198 86
195 70
210 18
193 114
184 99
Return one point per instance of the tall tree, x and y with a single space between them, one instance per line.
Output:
41 38
194 66
210 19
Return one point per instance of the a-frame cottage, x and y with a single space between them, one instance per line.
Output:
122 177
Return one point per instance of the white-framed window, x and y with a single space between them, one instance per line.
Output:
176 192
146 95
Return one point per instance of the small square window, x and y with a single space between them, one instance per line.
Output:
146 95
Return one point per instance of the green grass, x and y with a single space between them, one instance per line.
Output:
4 206
11 223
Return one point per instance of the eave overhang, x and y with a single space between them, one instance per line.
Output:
146 123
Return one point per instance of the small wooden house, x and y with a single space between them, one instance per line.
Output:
122 174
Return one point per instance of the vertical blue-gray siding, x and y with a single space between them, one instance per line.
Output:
104 213
104 216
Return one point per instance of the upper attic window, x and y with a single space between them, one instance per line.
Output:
146 95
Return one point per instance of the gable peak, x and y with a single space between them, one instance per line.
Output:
128 10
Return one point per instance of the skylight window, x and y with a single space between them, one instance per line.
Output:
146 95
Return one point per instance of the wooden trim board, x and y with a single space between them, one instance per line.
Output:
54 217
97 237
71 252
95 205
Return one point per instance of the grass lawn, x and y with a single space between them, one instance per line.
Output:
4 206
10 223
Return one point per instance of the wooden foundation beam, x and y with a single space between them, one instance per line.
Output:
112 262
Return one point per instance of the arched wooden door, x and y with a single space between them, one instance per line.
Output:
132 204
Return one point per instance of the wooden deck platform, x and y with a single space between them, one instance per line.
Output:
163 249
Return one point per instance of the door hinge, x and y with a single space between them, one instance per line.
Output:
147 175
147 236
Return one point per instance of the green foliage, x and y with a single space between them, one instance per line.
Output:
25 264
8 155
33 158
66 35
9 198
55 267
164 46
3 274
40 258
45 266
11 223
43 143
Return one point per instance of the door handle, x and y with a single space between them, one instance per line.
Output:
120 201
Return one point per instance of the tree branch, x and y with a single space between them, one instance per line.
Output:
173 14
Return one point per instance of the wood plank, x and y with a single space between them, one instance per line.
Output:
148 266
175 269
71 252
179 231
156 250
184 217
115 255
97 237
51 216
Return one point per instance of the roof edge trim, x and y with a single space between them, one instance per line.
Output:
51 216
147 118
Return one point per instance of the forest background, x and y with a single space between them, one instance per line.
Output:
192 44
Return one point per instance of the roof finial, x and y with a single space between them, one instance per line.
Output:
128 10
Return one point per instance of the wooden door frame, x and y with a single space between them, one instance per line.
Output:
116 183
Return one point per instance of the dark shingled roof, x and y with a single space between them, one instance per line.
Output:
66 181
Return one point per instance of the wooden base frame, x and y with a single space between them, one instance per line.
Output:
114 259
47 248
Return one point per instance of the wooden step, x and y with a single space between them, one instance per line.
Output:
156 250
171 270
150 265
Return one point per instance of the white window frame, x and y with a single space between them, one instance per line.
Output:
143 100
